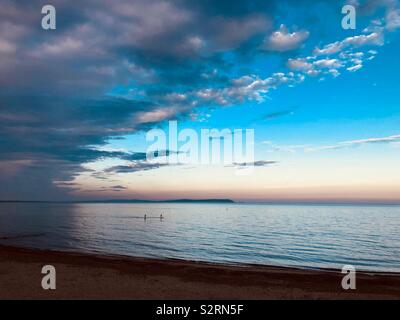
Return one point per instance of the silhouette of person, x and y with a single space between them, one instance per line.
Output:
161 216
145 216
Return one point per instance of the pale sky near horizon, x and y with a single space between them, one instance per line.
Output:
76 102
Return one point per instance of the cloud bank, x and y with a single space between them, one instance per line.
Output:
117 68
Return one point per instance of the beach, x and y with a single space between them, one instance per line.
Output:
92 276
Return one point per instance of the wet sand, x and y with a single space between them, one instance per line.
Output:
88 276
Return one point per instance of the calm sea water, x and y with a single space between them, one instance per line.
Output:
367 237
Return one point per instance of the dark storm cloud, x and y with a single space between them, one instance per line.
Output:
63 128
36 180
44 139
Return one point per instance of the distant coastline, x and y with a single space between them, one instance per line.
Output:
116 201
222 201
163 201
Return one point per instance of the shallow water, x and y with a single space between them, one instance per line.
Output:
367 237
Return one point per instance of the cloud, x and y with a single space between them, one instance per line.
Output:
345 54
158 115
374 38
285 148
246 88
394 139
259 163
7 47
61 46
118 187
139 156
135 156
107 71
328 63
393 19
136 166
277 114
355 143
282 40
114 69
299 65
49 139
355 68
232 32
329 49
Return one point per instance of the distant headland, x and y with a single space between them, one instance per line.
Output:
131 201
163 201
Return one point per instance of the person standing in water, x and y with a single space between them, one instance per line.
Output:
145 216
161 216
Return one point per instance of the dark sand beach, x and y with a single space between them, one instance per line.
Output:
87 276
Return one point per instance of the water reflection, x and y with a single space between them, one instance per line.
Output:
312 236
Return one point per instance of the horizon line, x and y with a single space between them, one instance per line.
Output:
220 200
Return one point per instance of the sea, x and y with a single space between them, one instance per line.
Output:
306 236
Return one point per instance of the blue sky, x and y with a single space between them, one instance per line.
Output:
323 101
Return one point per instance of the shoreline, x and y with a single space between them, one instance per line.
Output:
100 276
132 258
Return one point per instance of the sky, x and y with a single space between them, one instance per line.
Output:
77 102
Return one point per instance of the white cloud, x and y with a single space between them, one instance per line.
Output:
284 148
354 68
246 88
313 72
282 40
334 72
355 143
374 38
373 140
346 53
299 65
157 115
254 88
329 49
393 19
328 63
